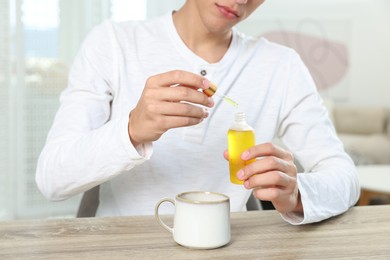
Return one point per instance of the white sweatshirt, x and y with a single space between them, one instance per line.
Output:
89 144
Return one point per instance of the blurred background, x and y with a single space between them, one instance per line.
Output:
345 44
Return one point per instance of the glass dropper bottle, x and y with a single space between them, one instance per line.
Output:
241 136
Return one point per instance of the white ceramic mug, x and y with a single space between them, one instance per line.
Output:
201 219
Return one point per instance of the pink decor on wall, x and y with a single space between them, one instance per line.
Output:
327 60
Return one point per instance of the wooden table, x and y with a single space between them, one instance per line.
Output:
361 233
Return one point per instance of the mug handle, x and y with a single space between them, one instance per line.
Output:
158 216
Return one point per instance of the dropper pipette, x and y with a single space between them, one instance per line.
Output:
212 91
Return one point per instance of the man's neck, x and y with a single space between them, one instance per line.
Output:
207 45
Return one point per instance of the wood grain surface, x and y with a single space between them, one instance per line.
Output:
361 233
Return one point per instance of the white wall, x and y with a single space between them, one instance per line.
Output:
363 27
155 8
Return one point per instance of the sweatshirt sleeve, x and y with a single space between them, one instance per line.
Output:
84 147
329 184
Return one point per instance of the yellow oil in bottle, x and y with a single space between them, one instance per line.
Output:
240 137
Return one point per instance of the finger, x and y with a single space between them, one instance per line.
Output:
270 179
283 201
269 194
179 121
267 149
226 155
179 77
182 109
182 93
264 165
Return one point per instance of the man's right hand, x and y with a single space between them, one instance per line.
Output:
169 100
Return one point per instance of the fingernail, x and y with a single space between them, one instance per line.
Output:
245 155
211 101
205 113
246 184
206 83
240 175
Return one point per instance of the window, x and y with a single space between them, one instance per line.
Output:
38 41
41 23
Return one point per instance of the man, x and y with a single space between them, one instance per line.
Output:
134 121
